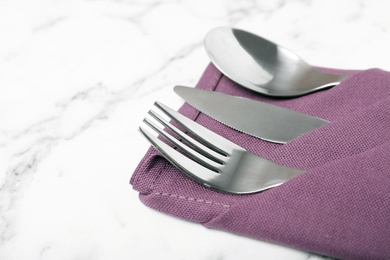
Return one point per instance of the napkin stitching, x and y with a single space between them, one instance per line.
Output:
223 221
191 199
152 186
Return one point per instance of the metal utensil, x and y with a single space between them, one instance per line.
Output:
213 160
262 120
264 66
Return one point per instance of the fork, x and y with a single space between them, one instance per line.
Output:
209 158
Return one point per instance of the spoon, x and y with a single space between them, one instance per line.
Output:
263 66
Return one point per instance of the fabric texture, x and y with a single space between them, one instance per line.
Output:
340 206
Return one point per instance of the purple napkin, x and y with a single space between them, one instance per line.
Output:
340 207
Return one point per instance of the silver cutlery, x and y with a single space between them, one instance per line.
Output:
264 66
210 159
262 120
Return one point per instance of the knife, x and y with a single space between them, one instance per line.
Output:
262 120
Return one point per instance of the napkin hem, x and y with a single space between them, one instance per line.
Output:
283 215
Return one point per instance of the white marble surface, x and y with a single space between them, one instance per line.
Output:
76 79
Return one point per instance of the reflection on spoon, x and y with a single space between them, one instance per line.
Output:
263 66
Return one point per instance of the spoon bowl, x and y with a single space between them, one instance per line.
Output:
263 66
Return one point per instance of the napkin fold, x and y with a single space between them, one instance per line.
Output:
340 206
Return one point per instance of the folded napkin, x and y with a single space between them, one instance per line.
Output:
340 206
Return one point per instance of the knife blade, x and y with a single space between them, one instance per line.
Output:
262 120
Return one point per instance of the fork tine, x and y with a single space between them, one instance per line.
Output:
193 169
242 172
199 147
219 143
186 150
